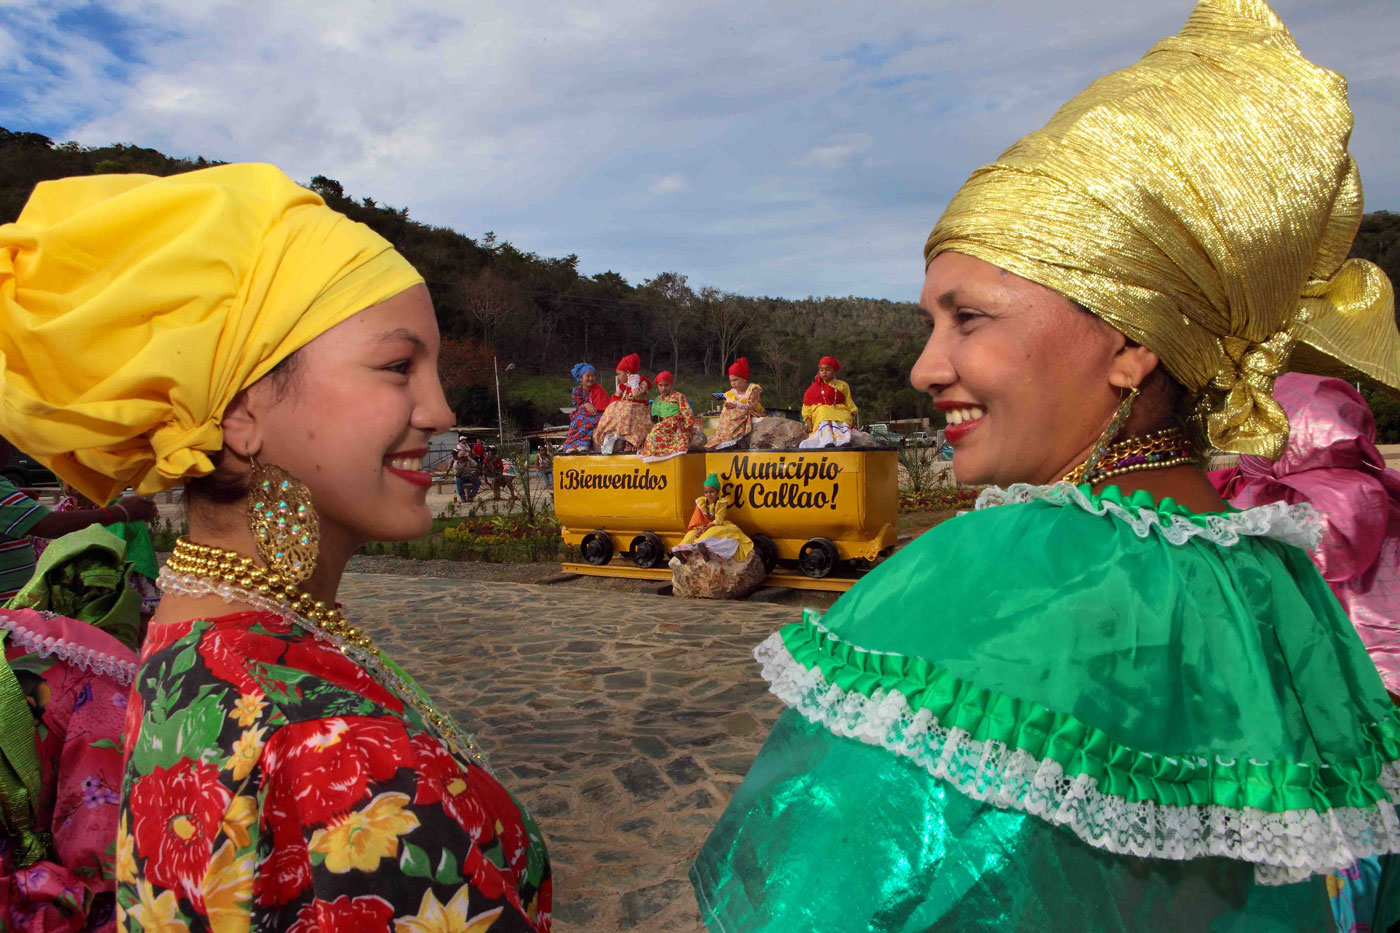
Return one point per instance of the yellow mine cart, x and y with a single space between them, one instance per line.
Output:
618 504
815 507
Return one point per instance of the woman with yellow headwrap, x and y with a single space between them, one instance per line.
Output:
226 330
1103 700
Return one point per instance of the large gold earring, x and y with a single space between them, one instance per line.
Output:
286 529
1115 425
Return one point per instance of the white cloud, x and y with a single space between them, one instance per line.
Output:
796 148
668 184
837 153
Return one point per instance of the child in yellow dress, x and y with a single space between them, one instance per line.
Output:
828 411
710 532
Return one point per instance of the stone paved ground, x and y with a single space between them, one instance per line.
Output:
624 722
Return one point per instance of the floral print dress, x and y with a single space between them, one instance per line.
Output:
628 415
75 679
670 436
581 423
736 417
274 784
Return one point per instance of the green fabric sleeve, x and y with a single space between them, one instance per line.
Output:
827 833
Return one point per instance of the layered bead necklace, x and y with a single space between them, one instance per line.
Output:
1155 451
201 570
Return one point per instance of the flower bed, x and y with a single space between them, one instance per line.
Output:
938 499
499 538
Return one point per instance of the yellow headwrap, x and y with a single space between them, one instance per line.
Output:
133 309
1202 201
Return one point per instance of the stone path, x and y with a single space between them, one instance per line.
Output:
624 722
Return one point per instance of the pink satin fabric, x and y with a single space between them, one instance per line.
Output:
1332 463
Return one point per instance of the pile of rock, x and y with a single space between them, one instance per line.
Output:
786 434
717 578
776 434
863 441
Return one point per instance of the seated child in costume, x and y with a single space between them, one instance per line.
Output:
627 419
590 399
670 436
710 533
828 412
742 404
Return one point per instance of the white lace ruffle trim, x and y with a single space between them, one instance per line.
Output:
89 659
1296 524
1284 847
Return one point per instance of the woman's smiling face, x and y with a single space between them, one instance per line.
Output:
1021 373
353 420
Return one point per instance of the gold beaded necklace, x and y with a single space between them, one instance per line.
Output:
200 569
1155 451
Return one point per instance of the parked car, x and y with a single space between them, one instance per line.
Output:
23 470
918 439
882 431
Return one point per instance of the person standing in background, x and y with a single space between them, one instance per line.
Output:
545 462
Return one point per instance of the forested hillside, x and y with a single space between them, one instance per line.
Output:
495 298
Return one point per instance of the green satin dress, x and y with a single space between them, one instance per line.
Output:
1065 711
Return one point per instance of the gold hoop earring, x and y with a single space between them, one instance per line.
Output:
1115 425
286 529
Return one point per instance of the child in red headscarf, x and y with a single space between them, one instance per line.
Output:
742 404
627 419
670 436
828 412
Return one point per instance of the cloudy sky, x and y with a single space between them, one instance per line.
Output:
786 148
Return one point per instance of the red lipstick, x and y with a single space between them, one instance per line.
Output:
416 477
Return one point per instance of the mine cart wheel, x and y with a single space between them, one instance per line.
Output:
647 550
817 557
597 548
767 551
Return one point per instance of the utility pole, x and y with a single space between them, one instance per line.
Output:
500 421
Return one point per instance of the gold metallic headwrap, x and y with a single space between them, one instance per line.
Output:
133 309
1202 201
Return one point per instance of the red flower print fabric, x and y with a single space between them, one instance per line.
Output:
176 815
273 783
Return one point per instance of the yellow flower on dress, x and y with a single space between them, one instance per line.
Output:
156 914
1335 883
436 917
126 853
228 890
246 752
362 838
242 811
248 708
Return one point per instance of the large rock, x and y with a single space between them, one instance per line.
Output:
776 434
864 441
716 577
697 439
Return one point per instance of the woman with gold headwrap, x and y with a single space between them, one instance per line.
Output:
226 330
1140 709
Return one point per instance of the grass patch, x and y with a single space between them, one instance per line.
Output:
916 523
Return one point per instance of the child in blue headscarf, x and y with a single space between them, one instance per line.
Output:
589 401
